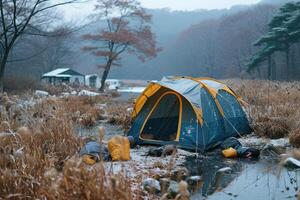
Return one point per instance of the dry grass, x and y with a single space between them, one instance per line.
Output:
274 107
39 160
295 138
38 152
120 113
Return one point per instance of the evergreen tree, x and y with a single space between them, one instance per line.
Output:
284 31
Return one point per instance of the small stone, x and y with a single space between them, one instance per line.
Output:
291 163
180 174
151 185
169 150
195 182
173 189
224 170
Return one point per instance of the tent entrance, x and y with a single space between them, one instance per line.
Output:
164 121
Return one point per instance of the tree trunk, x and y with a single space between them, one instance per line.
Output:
269 67
2 69
258 72
287 57
1 80
105 74
274 70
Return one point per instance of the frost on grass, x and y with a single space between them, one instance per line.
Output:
39 146
274 107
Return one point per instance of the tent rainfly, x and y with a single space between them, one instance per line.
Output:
193 113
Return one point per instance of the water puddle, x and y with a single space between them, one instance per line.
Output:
258 179
110 130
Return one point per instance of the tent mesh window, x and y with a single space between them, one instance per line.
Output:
162 124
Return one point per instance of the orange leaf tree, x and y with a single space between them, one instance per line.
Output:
127 29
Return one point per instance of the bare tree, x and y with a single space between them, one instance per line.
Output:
127 29
21 17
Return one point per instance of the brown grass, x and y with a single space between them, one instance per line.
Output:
295 138
118 113
39 160
274 107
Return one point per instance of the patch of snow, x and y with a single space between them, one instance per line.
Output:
132 89
142 165
65 94
41 93
129 110
282 142
253 140
87 93
56 72
73 93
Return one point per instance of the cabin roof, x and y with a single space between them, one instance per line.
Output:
62 72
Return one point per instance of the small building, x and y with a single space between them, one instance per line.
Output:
93 81
63 75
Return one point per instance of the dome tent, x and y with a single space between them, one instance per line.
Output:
193 113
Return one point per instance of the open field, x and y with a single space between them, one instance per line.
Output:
39 144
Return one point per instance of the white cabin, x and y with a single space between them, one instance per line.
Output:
63 75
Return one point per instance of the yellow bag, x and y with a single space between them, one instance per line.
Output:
88 159
119 148
230 153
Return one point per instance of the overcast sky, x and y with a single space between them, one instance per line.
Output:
194 4
82 10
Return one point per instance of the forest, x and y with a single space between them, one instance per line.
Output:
217 43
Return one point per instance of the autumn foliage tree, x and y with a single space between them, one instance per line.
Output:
127 29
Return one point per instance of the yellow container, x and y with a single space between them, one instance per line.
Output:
230 153
119 148
90 160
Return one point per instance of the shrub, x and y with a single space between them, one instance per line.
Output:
20 83
295 138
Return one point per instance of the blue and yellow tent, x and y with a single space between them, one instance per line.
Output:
193 113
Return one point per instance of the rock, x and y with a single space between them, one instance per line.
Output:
40 93
224 170
173 189
179 174
291 163
151 185
164 183
194 180
155 151
169 150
